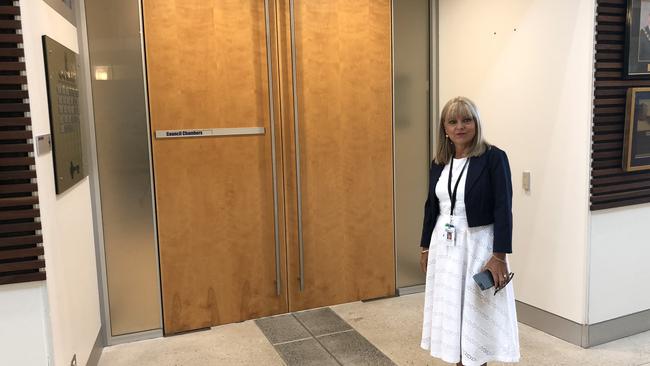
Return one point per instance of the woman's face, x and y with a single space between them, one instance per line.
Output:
461 130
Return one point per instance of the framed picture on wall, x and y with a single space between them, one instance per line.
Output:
636 145
637 40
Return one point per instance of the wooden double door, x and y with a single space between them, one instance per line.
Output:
271 128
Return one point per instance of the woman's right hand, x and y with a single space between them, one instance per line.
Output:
424 257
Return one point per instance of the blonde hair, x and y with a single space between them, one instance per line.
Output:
464 108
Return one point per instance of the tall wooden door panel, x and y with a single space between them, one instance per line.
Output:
207 69
221 223
340 195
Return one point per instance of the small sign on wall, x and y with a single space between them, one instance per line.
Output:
64 7
65 123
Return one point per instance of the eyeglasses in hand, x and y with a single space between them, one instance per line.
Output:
508 279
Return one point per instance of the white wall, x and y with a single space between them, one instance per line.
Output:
620 274
67 218
528 65
23 327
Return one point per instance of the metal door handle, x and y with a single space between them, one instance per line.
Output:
272 128
296 131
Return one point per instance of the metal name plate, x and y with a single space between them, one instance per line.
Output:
167 134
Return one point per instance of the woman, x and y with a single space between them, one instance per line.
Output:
468 228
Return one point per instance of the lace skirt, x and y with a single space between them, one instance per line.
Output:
461 322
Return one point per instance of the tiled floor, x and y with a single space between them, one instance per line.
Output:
319 337
390 326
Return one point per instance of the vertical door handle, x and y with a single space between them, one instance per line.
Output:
269 58
296 131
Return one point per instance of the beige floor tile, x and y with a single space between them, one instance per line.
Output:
394 326
539 348
239 344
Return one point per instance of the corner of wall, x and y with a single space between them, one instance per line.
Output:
71 296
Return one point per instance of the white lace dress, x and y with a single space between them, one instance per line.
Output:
461 322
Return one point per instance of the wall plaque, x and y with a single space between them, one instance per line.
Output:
65 126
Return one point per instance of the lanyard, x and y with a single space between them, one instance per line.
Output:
452 195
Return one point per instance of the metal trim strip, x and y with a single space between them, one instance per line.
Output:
207 132
276 223
296 129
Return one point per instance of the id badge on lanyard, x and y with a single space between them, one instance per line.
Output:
450 234
450 229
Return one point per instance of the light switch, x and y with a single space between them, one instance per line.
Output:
43 144
526 181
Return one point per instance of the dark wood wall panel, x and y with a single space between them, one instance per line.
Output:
611 186
21 250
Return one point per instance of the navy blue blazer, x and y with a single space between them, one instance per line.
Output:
488 198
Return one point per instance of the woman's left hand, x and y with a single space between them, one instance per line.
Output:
498 268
